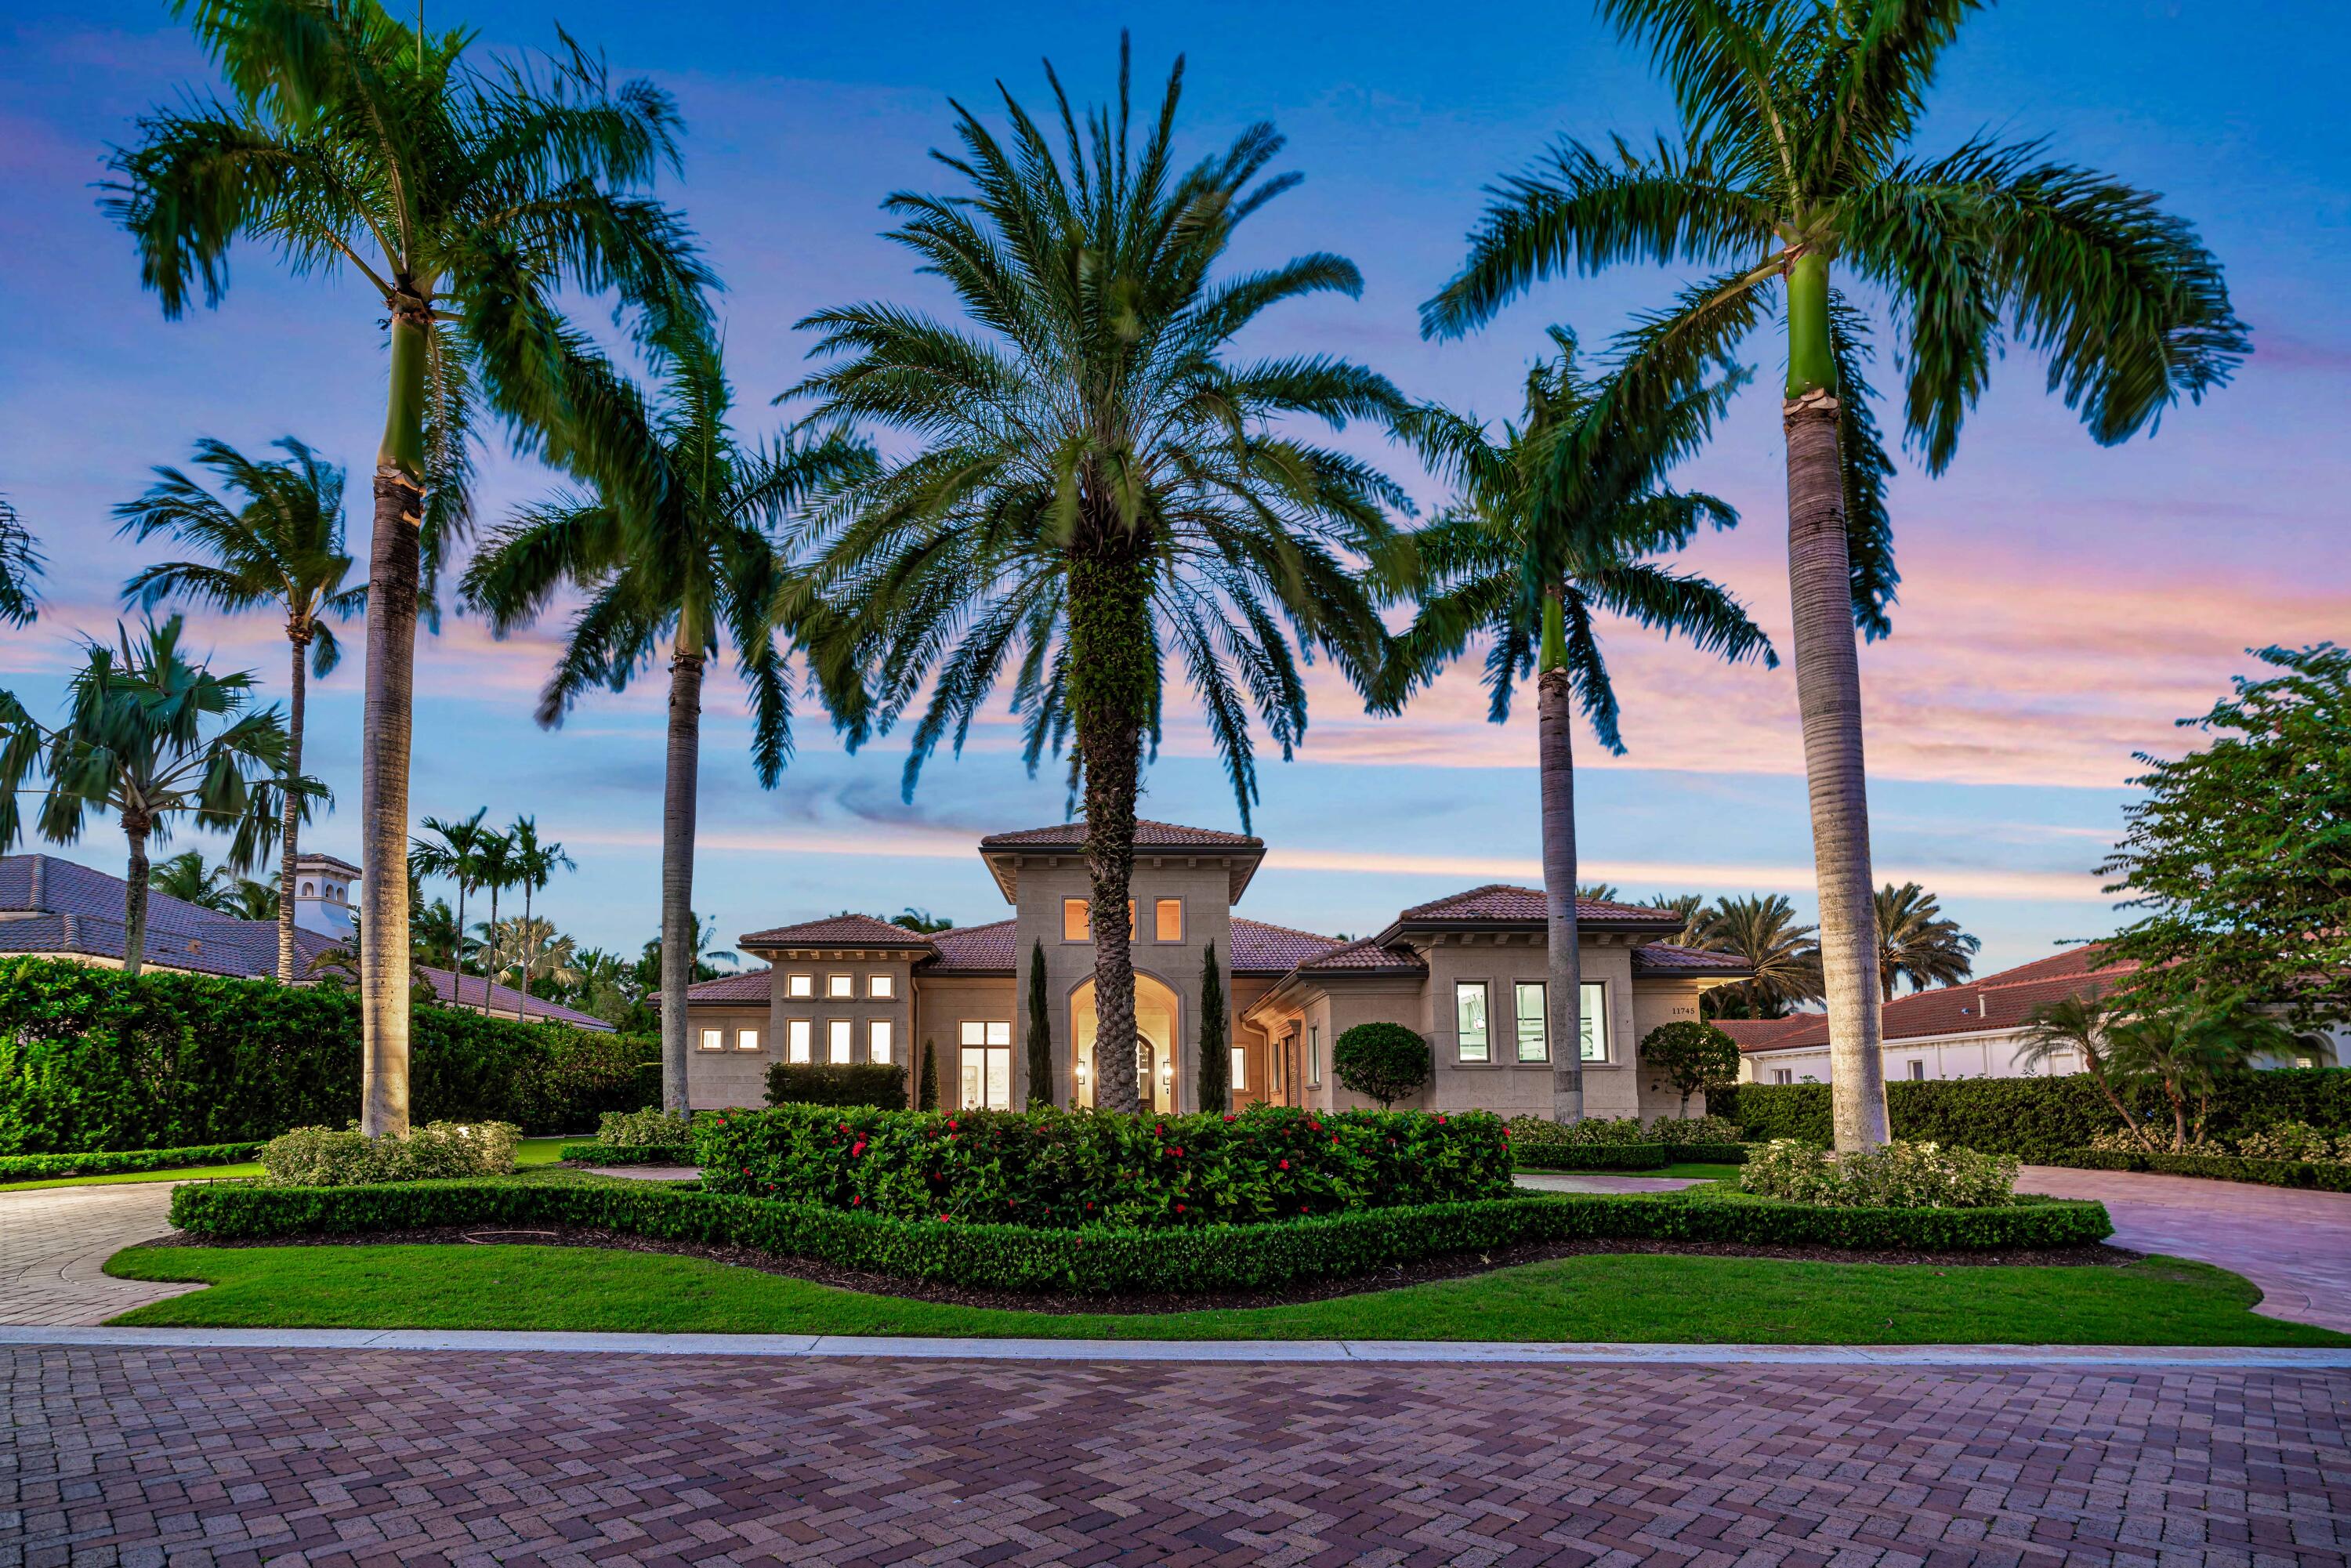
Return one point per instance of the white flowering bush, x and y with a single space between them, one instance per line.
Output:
646 1129
1894 1175
321 1156
2296 1141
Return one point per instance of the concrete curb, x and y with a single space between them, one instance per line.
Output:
1388 1351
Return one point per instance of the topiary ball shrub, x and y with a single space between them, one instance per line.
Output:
1382 1062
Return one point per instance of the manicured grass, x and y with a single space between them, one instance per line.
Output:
529 1152
1637 1297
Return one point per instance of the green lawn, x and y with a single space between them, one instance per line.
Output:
1609 1297
529 1152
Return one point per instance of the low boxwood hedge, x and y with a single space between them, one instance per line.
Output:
595 1153
49 1167
2219 1167
1099 1261
1621 1157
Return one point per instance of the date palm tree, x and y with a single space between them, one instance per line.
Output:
1794 160
20 563
1694 916
467 198
151 738
1555 526
280 547
678 577
1917 942
452 848
1760 929
536 861
1095 482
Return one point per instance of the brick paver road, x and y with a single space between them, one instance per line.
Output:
214 1456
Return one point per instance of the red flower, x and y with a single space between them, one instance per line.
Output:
858 1150
1178 1153
1228 1115
1179 1208
1440 1121
1285 1164
855 1201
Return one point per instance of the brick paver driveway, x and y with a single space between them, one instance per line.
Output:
305 1456
53 1244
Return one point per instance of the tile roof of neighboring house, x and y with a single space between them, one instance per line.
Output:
1666 959
1755 1034
1501 901
2001 1001
1147 836
1366 955
468 991
970 949
837 931
1261 949
747 985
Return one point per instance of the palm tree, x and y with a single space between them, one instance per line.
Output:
434 932
2074 1026
536 861
467 200
1762 931
1555 525
280 547
672 577
494 871
1915 941
1694 916
453 850
1095 482
1793 159
135 742
186 877
921 921
2188 1051
20 562
524 945
254 901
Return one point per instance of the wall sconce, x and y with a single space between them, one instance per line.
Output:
1081 1072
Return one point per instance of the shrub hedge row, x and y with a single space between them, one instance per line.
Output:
2040 1119
881 1084
596 1153
1621 1157
1052 1167
92 1060
1097 1261
2217 1167
48 1167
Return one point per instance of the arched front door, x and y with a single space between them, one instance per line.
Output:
1156 1059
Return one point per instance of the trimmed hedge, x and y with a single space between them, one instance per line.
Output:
92 1060
1086 1169
49 1167
2216 1167
596 1153
2040 1119
881 1084
1621 1157
1097 1261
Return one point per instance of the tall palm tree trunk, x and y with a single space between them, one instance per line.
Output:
1112 667
523 1007
393 568
288 849
677 869
1828 697
1563 993
134 895
490 951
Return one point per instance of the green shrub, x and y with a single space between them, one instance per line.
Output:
603 1154
50 1167
879 1084
1894 1175
438 1151
1677 1130
640 1129
1693 1056
2296 1141
92 1060
1537 1156
1098 1261
1382 1062
1051 1167
2320 1177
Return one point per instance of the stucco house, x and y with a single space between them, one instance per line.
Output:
1466 971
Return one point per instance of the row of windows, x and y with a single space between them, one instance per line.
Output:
799 1040
1530 1021
1167 920
880 987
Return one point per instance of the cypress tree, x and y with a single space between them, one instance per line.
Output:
927 1075
1216 1060
1040 1034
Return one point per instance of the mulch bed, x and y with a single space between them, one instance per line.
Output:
1460 1266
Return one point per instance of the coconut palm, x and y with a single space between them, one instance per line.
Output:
279 547
434 932
1915 941
1556 523
254 901
467 198
20 563
151 738
2078 1026
452 848
536 861
186 877
1762 931
677 578
1794 159
1095 482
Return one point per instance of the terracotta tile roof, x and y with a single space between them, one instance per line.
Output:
1155 835
748 986
970 949
837 931
1259 948
1755 1034
2000 1001
1501 901
1367 956
468 991
1666 959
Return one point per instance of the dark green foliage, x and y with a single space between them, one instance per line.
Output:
1696 1058
1040 1033
2216 1167
1528 1157
2042 1118
1215 1051
595 1153
1099 1261
1383 1061
929 1070
48 1167
1087 1168
91 1059
881 1084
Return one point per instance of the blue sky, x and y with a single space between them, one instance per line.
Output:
2062 604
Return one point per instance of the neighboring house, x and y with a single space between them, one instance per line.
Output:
1974 1030
56 908
1466 972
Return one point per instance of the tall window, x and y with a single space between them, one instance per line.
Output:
877 1040
798 1037
1167 919
1313 1055
1469 1019
987 1065
881 988
746 1039
1534 1021
1241 1069
1595 1021
836 1041
713 1040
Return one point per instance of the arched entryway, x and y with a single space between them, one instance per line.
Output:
1155 1055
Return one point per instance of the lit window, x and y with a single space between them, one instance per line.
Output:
746 1039
1167 919
1595 1021
840 985
1534 1023
800 985
1469 1019
1074 927
797 1038
986 1065
836 1041
713 1040
1241 1069
881 988
877 1040
1313 1055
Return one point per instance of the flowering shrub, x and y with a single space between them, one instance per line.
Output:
2296 1141
649 1128
1894 1175
320 1156
1612 1130
1066 1168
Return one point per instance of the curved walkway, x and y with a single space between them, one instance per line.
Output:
53 1244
